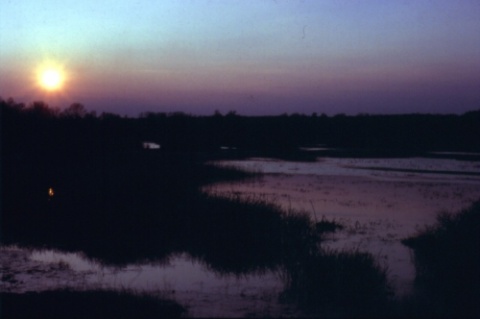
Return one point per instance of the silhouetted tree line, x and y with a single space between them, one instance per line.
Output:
40 127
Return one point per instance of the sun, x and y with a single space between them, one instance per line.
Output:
51 79
50 76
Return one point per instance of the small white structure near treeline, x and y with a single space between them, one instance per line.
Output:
150 146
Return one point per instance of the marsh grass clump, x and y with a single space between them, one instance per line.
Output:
245 234
87 304
447 261
334 283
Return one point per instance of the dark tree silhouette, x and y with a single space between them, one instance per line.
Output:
76 110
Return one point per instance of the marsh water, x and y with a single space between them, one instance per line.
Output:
378 201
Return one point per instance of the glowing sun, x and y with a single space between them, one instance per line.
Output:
51 79
50 76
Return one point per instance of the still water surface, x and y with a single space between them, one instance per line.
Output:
379 201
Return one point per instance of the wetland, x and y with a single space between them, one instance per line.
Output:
195 228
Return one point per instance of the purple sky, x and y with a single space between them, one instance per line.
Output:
257 57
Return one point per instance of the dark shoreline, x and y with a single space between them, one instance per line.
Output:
86 304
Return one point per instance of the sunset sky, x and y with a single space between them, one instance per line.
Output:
257 57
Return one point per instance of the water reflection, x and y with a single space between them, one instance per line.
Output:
378 206
229 245
425 169
179 273
183 278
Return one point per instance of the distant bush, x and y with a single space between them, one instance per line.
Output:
447 261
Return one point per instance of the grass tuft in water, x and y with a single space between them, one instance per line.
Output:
336 283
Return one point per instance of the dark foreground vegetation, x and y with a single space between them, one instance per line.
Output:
76 181
339 284
86 304
447 262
